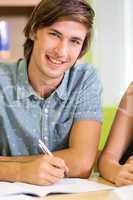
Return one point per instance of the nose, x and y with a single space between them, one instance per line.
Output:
61 49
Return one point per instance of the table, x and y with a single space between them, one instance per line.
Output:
98 195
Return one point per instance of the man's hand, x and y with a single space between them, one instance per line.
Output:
125 174
44 170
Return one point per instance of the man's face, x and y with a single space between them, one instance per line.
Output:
57 47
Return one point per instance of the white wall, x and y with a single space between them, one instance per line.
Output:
110 50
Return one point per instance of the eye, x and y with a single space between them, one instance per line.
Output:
76 42
54 34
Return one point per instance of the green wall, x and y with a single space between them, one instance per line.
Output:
108 117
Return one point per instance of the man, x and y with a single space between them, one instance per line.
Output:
49 96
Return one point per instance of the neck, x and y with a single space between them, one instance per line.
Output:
42 84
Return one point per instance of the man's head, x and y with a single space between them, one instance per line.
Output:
50 11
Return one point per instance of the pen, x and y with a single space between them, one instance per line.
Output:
46 150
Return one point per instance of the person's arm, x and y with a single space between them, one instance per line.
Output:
40 169
119 138
85 132
83 145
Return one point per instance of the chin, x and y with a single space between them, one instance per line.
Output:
54 75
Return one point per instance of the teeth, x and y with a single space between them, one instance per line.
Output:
55 61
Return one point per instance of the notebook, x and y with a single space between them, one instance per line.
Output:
18 197
122 193
66 185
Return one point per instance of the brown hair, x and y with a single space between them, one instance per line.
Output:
48 12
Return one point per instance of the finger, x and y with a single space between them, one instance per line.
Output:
129 167
53 179
41 182
127 182
59 163
61 173
120 181
51 169
130 159
55 171
129 176
49 175
49 179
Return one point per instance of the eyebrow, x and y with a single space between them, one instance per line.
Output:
52 29
74 38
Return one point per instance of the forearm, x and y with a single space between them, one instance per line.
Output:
18 158
79 165
10 167
83 145
9 171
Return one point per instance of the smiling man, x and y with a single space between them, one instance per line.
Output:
50 95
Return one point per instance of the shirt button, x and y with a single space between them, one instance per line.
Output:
34 98
45 138
46 110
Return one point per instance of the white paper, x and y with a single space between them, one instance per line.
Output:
66 185
17 197
122 193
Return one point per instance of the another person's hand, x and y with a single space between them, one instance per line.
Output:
130 160
125 174
44 170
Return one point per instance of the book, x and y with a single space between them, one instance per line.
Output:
18 197
66 185
122 193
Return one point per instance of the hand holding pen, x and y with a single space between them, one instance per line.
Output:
45 150
41 170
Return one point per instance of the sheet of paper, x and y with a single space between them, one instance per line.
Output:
122 193
17 197
67 185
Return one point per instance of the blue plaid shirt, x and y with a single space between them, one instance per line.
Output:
25 117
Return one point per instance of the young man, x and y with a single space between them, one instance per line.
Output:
49 96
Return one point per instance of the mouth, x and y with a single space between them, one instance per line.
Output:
55 61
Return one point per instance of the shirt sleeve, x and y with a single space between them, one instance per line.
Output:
89 99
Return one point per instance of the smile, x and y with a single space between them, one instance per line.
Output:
54 61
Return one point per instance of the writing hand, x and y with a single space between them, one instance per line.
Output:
44 170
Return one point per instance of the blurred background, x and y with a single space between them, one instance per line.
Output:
111 50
